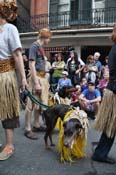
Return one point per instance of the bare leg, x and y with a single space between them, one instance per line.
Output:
28 131
28 121
9 133
96 107
36 118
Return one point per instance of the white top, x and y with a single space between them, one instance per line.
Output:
9 41
80 61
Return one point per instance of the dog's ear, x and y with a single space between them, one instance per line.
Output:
78 125
64 125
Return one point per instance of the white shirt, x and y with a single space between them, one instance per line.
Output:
79 59
9 41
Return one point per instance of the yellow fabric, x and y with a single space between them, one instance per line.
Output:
78 146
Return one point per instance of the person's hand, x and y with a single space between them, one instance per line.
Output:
87 101
91 101
77 71
38 88
24 84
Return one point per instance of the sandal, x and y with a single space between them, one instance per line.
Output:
40 129
30 135
7 152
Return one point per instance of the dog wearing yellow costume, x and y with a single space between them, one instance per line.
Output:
73 144
73 127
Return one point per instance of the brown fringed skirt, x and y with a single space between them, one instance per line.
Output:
9 96
106 118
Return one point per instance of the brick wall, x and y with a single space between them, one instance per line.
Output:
39 7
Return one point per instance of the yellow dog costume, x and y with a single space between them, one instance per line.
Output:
78 144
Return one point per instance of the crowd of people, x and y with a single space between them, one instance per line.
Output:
88 80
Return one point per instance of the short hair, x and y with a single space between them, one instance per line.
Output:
44 33
97 53
113 36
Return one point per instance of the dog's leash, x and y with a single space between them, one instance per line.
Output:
34 100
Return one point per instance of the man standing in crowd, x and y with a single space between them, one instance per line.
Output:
38 84
98 63
10 55
106 118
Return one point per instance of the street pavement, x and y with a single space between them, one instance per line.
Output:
31 158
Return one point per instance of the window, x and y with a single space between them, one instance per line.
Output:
74 10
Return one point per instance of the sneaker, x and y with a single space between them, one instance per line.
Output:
6 153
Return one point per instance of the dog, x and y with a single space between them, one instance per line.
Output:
62 96
73 129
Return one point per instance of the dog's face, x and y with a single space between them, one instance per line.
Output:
65 91
72 129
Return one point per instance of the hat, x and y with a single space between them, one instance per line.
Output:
45 33
91 83
65 73
8 9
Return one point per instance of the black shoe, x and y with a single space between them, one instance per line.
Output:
107 160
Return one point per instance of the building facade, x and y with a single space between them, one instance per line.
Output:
85 25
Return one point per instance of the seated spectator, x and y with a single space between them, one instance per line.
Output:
75 96
58 67
84 84
90 98
64 81
47 68
91 69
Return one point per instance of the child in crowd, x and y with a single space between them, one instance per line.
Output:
75 96
84 84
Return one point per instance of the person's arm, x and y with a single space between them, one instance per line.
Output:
82 97
70 83
17 55
34 76
98 99
81 62
58 86
80 69
60 67
15 47
85 69
32 63
53 65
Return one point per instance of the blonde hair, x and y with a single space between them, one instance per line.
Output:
44 33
